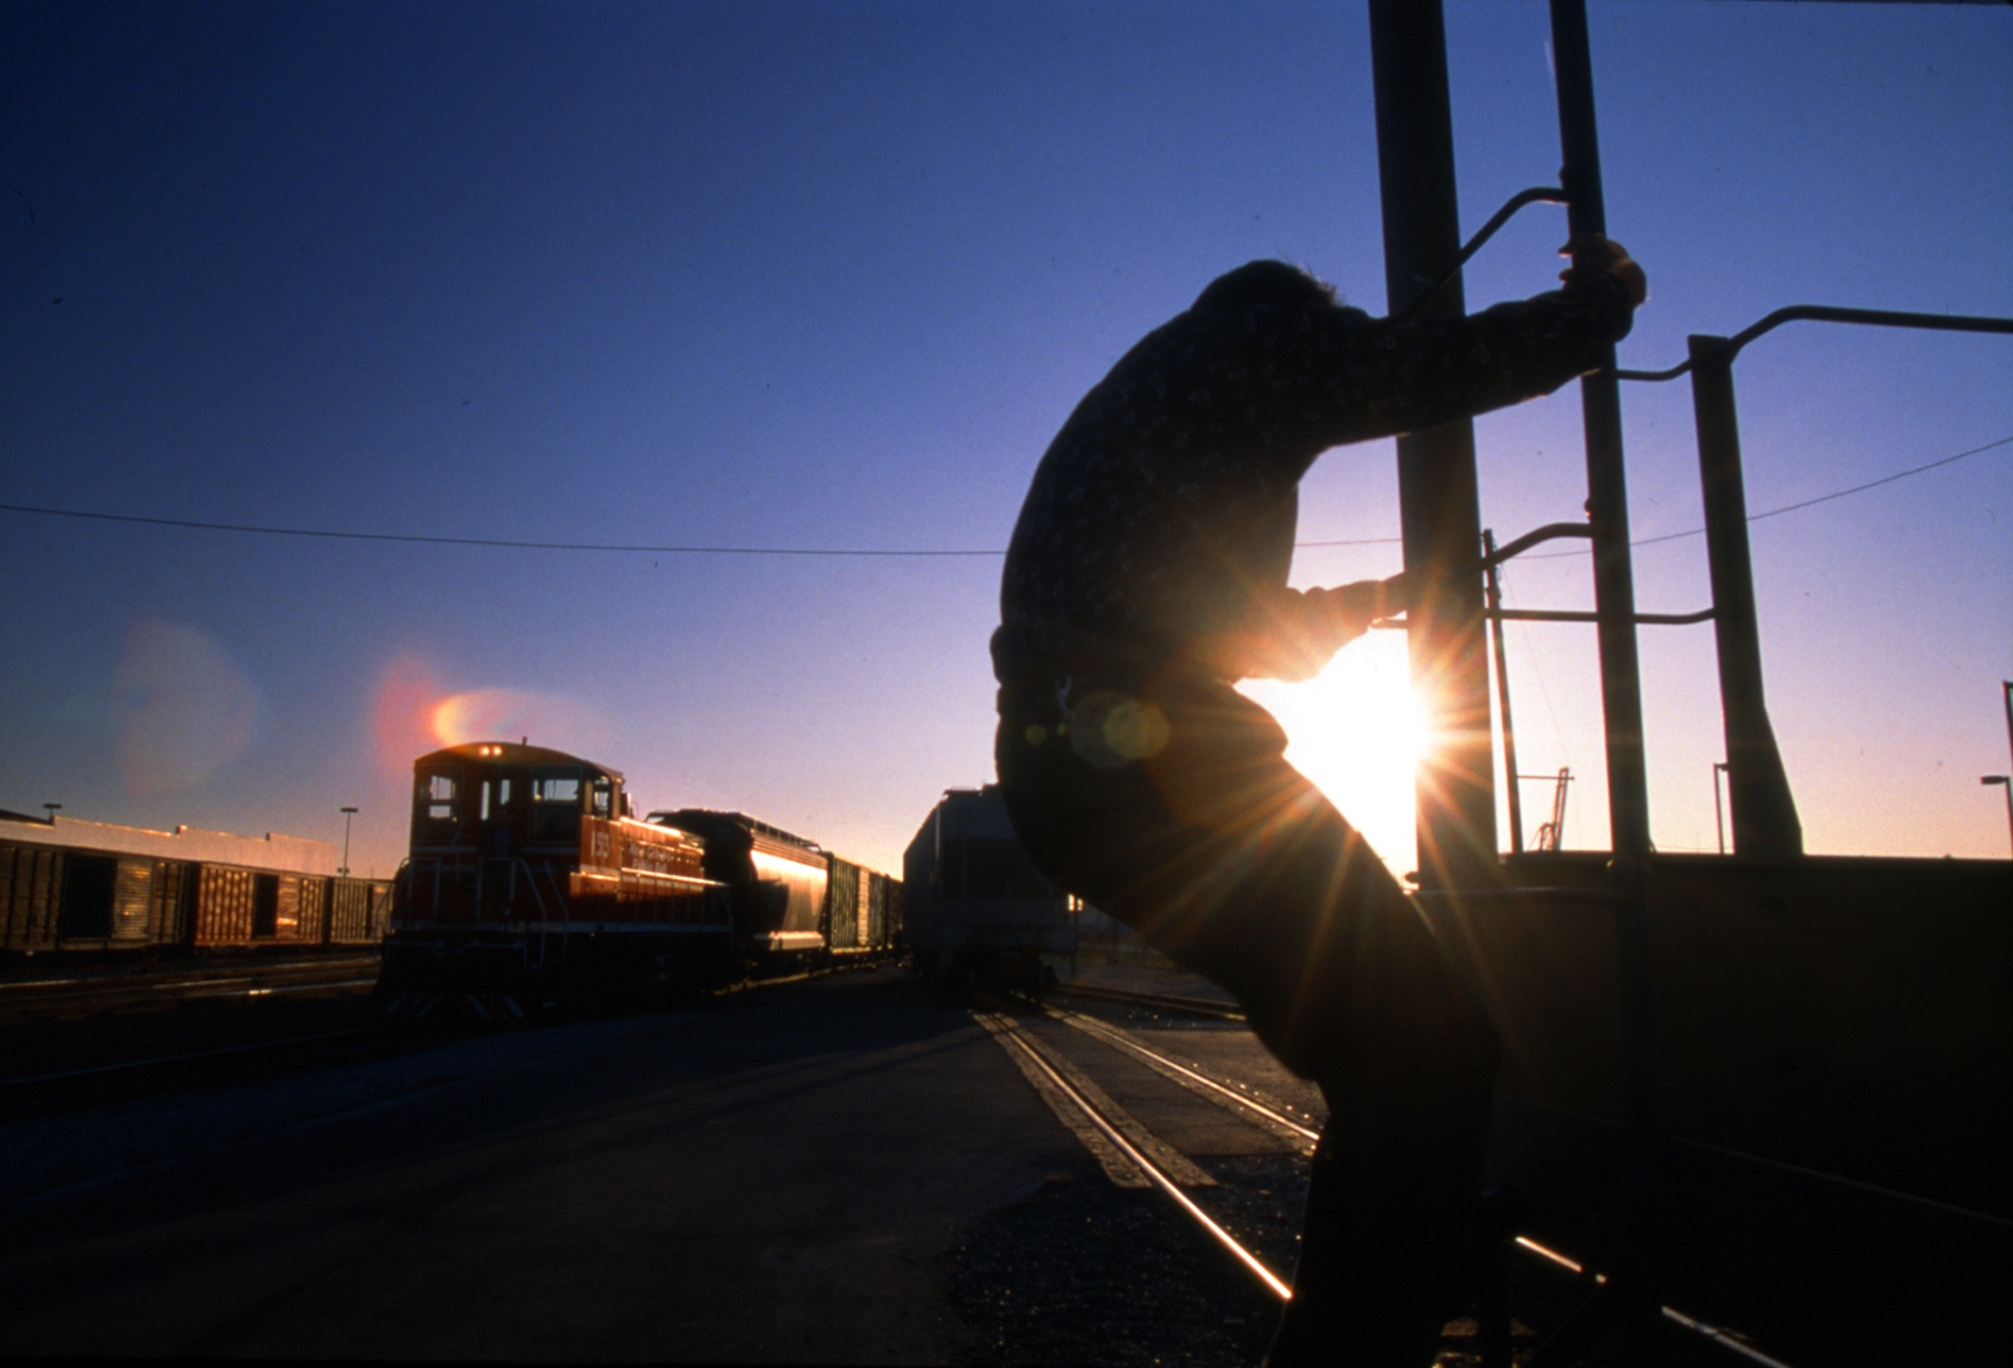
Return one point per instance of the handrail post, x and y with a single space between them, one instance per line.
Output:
1621 702
1765 822
1439 505
1493 594
1607 481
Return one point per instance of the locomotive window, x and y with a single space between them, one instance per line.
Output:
496 799
555 786
441 792
604 798
555 803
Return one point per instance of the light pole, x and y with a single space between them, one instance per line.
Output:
1718 812
2004 781
2006 689
347 813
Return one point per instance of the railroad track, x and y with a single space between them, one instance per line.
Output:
1132 1157
1129 1155
83 993
1166 1002
68 1090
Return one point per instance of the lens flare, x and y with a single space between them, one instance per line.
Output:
548 719
412 713
1357 730
400 714
187 709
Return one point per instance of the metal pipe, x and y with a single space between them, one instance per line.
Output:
1537 194
1826 313
1764 811
1493 588
1438 500
1621 678
1607 483
1575 615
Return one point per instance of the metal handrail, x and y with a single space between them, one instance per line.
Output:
1547 194
1827 313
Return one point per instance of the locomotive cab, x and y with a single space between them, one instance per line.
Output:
497 801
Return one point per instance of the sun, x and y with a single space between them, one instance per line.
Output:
1357 730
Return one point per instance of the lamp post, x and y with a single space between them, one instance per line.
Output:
2004 781
1719 767
347 813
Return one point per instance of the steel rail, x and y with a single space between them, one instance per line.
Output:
131 976
1094 1026
24 1001
1204 1007
1522 1242
1010 1031
135 1064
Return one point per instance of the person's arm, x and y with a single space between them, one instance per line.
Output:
1367 377
1303 629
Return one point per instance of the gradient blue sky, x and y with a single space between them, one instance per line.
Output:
831 275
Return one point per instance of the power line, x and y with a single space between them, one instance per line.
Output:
634 548
476 541
1803 503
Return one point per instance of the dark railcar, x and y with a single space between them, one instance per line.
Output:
776 882
794 901
977 910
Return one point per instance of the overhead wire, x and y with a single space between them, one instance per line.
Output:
515 544
1802 503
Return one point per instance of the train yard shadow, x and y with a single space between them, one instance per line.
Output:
1082 1272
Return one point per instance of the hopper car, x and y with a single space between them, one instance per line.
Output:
532 882
978 912
791 898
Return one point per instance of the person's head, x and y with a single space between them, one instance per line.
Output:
1263 283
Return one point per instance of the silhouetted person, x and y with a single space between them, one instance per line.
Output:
1148 573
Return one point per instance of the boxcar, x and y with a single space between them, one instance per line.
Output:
976 908
91 888
857 911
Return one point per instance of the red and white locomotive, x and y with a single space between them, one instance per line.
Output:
531 881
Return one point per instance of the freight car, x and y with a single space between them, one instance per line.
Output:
792 899
531 882
82 889
978 911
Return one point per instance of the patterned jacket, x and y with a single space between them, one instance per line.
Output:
1164 511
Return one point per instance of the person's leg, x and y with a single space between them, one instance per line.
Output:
1226 858
1387 1246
